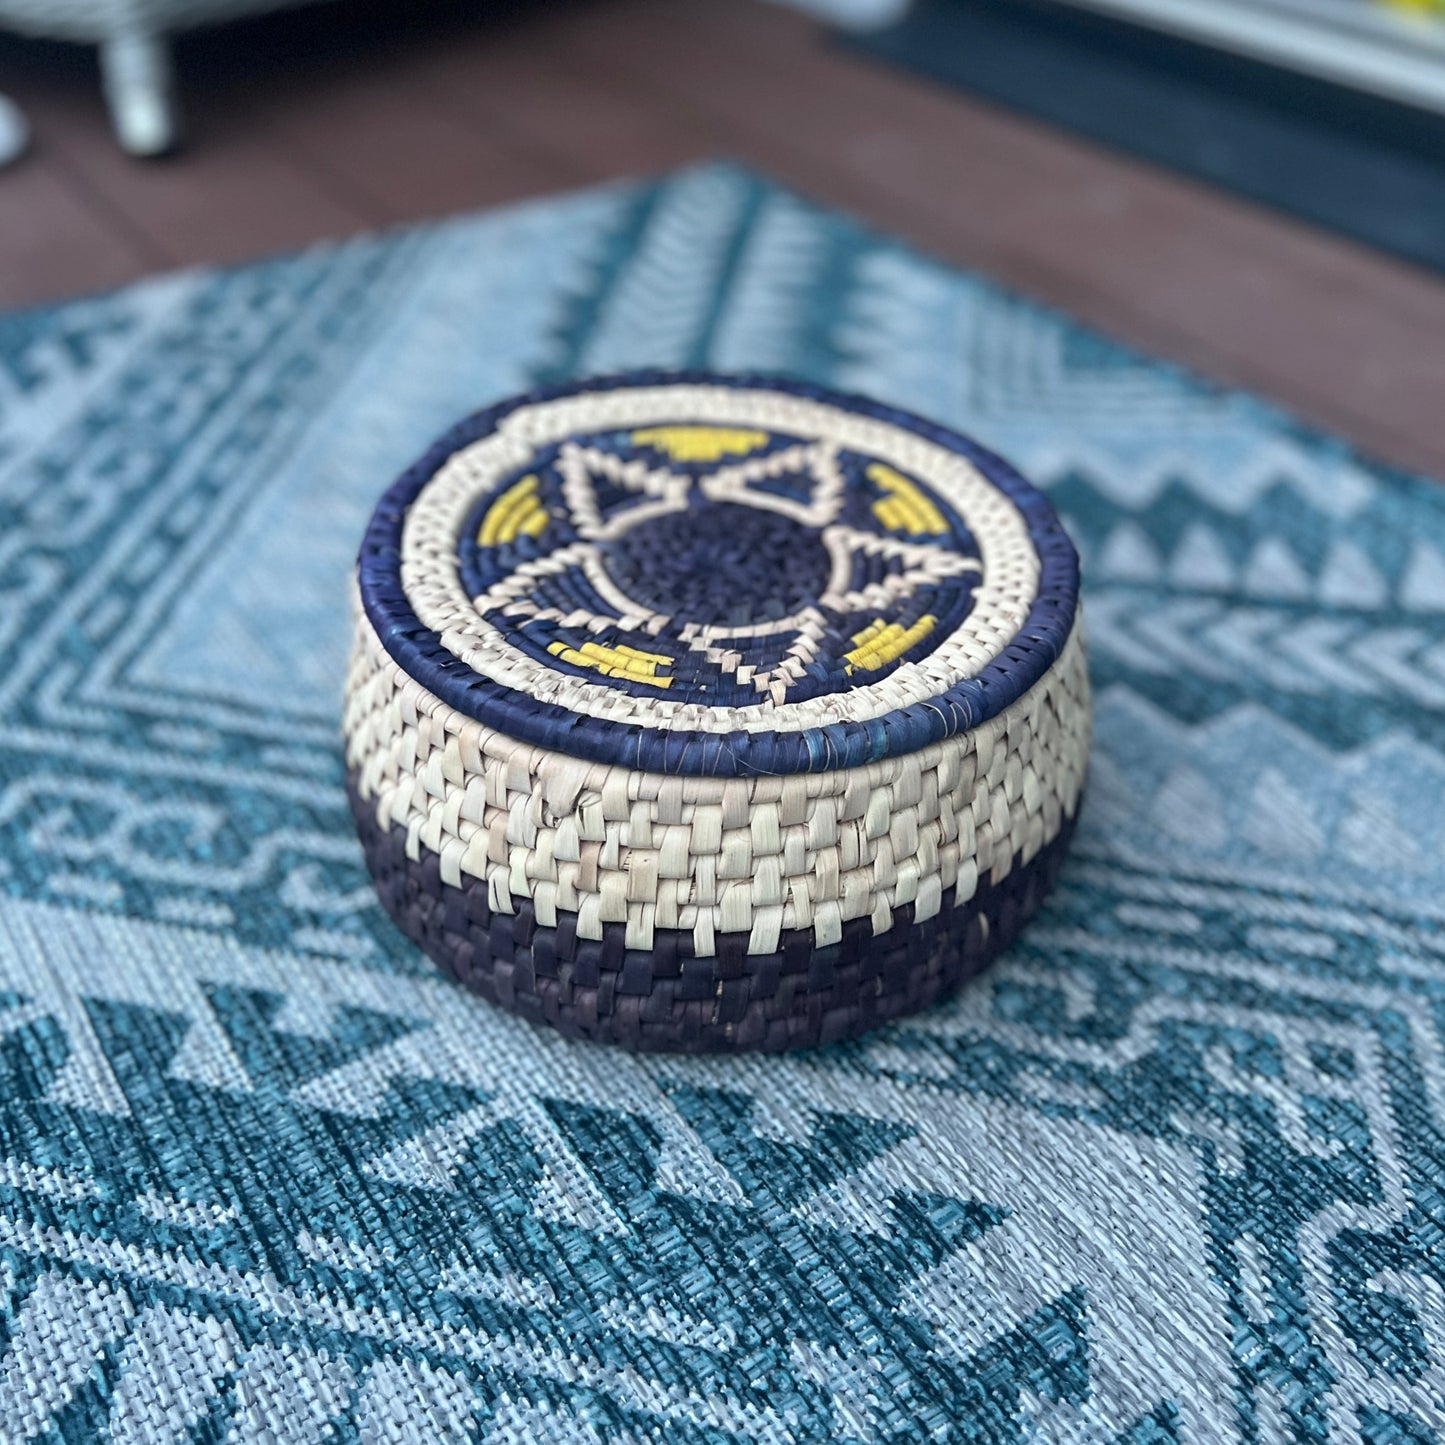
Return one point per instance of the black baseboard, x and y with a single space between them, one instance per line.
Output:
1353 163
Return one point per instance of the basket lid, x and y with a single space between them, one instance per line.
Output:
699 574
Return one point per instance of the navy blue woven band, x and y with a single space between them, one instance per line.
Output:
419 651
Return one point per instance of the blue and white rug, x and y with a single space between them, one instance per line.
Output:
1174 1170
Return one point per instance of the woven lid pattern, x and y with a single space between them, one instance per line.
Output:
717 576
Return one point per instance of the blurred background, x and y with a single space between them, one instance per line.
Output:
1253 187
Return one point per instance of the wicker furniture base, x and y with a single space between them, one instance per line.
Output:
134 37
666 998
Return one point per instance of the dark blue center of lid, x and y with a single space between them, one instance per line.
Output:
721 564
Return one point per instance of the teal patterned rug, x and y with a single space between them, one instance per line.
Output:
1173 1171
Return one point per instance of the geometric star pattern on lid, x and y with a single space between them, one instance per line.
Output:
705 574
710 531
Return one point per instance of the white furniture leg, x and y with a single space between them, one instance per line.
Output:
136 70
14 132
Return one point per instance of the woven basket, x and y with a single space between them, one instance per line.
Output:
704 713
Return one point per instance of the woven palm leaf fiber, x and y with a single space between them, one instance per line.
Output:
1171 1170
699 713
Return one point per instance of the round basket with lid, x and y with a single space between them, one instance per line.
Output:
703 713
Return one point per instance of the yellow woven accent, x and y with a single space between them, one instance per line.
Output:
878 645
620 661
905 508
535 522
701 443
516 511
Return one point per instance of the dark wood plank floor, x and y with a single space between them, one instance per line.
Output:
331 120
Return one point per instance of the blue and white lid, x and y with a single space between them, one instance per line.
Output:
717 575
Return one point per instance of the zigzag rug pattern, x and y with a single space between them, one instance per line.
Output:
1172 1171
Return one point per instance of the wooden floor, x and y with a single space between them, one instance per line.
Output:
336 119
